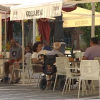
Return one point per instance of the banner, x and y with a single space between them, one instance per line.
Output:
45 11
81 22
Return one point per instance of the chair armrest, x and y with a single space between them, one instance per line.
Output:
36 64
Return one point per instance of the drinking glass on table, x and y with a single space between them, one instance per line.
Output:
77 59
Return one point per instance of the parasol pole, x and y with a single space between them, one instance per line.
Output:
5 35
23 51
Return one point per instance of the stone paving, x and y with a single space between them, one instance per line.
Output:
21 92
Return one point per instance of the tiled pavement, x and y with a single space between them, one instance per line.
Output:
21 92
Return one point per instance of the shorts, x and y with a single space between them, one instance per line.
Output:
12 61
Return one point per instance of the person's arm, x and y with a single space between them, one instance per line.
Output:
27 55
84 58
86 54
34 57
20 53
10 51
35 60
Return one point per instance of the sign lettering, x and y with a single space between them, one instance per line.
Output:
34 13
81 22
46 11
56 8
15 13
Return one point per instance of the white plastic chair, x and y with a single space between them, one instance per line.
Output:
60 68
82 54
69 74
97 58
89 70
34 72
27 68
78 55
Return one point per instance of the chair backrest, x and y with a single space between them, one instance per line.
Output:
82 54
28 66
67 65
60 65
97 58
78 55
49 60
89 69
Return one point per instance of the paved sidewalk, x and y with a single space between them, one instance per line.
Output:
21 92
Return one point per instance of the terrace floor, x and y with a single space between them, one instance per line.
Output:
21 92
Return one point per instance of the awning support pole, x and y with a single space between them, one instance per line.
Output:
23 50
93 20
34 31
5 35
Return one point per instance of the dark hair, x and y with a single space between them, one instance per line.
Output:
35 46
94 40
29 48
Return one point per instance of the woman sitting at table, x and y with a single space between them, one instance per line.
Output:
37 47
28 52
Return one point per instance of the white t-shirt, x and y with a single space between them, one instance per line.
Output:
26 56
35 55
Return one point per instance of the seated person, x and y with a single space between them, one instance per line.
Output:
46 46
37 47
93 51
18 65
15 55
56 48
55 51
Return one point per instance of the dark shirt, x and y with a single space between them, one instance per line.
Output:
47 48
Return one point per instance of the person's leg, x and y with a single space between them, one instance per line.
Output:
16 65
12 74
16 75
16 72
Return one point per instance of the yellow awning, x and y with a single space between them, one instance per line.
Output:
80 17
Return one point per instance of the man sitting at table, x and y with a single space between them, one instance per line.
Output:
93 51
55 51
15 54
56 48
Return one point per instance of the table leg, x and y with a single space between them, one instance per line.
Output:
3 71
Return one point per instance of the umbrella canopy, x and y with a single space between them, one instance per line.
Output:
39 9
80 1
79 17
4 9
